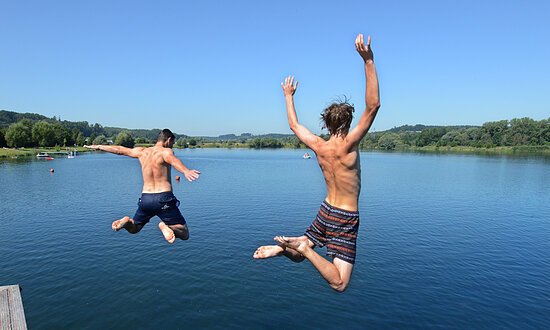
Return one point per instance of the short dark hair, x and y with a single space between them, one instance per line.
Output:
337 118
165 134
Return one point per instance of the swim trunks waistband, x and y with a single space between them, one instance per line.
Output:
335 209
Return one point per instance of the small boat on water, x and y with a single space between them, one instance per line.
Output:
306 156
44 155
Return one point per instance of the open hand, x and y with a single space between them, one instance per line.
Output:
192 175
364 50
289 85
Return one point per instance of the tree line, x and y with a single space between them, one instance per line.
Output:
34 130
515 132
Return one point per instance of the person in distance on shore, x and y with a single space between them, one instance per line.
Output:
337 221
157 198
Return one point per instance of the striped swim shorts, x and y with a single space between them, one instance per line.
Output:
337 229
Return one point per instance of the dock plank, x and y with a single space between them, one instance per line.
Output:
12 314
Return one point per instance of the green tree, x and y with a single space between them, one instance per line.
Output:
44 134
545 131
430 136
260 143
496 131
453 138
389 141
370 141
294 142
80 139
140 140
182 142
63 135
3 138
474 136
19 134
92 138
408 138
101 139
125 139
522 131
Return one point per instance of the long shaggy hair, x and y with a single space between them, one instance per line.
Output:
337 118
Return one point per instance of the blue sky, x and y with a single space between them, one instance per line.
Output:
215 67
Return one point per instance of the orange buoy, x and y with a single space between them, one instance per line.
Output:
52 170
177 177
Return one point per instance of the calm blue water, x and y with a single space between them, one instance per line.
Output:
445 241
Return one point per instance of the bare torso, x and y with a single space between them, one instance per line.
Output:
342 171
155 170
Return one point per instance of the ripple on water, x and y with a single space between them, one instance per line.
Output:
445 241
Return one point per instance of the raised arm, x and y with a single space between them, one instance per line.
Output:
190 175
372 93
119 150
308 138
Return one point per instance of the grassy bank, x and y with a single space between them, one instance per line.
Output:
518 150
30 152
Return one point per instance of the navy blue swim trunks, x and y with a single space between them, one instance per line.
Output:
337 229
164 205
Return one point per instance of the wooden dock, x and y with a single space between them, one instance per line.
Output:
12 315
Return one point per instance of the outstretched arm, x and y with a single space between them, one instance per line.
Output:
372 93
190 175
119 150
308 138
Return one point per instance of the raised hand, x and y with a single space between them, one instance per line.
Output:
364 50
289 85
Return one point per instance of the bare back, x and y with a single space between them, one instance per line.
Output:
155 170
341 168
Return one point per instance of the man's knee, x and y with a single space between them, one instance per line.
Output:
181 231
134 229
183 236
339 286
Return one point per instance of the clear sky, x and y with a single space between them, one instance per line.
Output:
215 67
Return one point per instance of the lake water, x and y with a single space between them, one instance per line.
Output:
446 241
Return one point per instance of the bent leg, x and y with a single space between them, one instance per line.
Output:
269 251
180 231
337 274
167 232
127 224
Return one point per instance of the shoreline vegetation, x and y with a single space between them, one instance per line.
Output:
512 151
26 134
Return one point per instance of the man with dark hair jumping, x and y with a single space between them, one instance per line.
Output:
157 198
337 221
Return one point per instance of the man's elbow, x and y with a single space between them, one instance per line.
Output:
293 126
373 106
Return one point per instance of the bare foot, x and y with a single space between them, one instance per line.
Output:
119 224
167 232
300 244
268 251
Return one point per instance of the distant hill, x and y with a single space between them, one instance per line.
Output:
9 117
